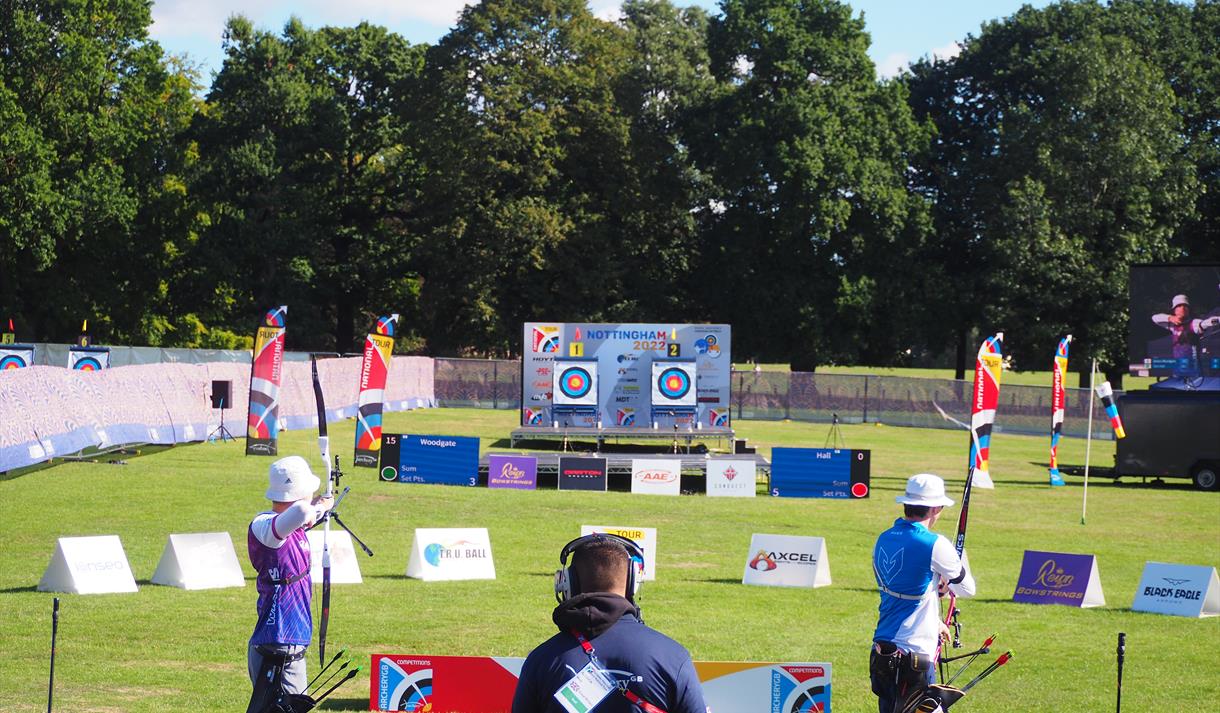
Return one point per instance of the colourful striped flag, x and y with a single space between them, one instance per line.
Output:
986 396
266 369
1106 394
374 370
1058 404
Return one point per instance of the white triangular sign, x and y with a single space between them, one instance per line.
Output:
200 560
88 565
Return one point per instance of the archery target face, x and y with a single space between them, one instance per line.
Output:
13 359
88 361
574 384
673 383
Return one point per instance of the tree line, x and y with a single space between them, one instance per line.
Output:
539 163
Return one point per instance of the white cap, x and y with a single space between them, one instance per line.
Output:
290 479
1179 300
925 489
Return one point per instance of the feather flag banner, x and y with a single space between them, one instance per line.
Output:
985 397
1058 405
374 369
1106 394
266 370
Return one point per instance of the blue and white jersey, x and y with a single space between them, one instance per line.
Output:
908 561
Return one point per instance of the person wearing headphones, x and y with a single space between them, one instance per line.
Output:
604 659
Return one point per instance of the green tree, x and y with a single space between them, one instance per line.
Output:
92 199
1060 160
812 225
307 182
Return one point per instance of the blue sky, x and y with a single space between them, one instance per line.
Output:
901 31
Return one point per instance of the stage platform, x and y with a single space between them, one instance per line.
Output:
619 434
618 467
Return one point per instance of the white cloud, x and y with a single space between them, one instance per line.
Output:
893 63
186 18
608 10
948 51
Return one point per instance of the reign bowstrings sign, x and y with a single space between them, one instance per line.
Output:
786 561
88 565
645 537
1059 578
1178 589
200 560
624 354
451 553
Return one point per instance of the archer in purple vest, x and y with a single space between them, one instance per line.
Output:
279 552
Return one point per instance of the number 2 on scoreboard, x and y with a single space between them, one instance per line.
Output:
675 349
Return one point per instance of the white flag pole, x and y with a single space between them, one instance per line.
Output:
1088 445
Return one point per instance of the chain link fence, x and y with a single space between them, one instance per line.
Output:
817 398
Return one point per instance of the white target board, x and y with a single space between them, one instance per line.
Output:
574 383
88 358
88 565
674 384
199 560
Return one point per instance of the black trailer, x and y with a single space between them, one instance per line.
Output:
1171 434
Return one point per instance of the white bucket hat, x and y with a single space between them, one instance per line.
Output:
1179 300
925 489
290 479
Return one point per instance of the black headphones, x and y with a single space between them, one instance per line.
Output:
567 585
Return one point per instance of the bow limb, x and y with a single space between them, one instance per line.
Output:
324 448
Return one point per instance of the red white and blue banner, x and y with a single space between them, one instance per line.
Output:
88 358
1106 394
266 371
1058 404
985 397
418 683
374 370
624 354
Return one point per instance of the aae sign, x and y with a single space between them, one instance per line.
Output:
787 561
645 537
656 476
451 553
1178 589
88 565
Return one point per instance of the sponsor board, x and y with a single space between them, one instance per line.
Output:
645 537
439 554
1178 589
512 472
656 476
419 683
201 560
440 460
731 478
786 561
579 473
88 565
344 566
1059 578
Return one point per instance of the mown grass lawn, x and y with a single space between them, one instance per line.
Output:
163 648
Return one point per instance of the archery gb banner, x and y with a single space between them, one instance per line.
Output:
378 347
266 369
984 399
1058 402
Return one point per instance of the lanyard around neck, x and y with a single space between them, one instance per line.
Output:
620 685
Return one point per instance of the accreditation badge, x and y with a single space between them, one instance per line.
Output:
588 688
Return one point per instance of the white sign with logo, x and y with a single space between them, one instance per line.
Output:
645 537
656 476
344 567
451 553
787 561
731 478
88 565
1178 589
199 560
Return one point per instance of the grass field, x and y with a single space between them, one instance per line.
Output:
164 648
1021 378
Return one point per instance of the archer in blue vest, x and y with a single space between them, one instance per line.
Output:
913 565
